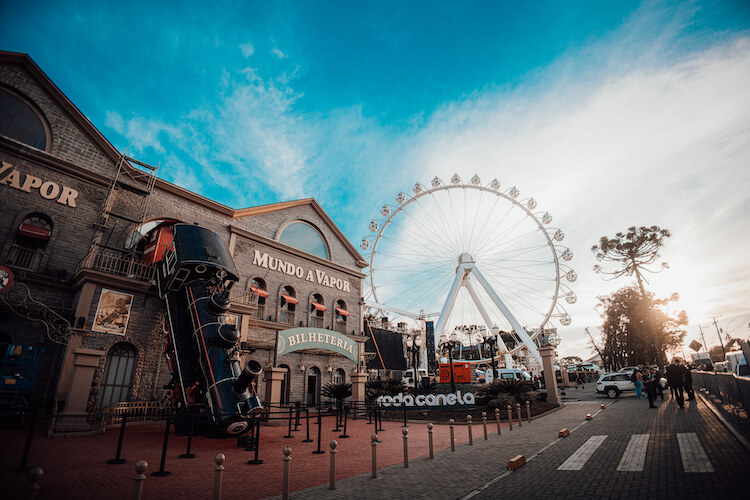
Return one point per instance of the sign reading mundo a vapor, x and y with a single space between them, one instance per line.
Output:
295 339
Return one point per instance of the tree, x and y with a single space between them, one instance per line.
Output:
570 360
633 251
636 329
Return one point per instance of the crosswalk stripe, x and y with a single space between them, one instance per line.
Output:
578 459
635 454
694 458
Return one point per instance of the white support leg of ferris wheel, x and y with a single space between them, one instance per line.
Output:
483 312
466 267
520 331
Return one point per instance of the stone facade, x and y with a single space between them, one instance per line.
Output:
66 281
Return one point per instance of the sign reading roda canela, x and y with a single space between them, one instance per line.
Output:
266 261
455 400
11 176
295 339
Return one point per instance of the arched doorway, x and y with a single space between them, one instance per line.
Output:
313 386
118 373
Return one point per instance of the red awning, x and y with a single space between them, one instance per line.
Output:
342 312
290 299
319 307
35 232
259 291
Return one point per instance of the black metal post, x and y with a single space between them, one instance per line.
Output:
450 360
23 467
338 426
256 460
296 416
404 406
346 413
380 420
289 432
117 460
161 472
320 426
187 453
307 426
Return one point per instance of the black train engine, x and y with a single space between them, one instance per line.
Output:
194 279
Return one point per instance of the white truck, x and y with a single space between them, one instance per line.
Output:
737 364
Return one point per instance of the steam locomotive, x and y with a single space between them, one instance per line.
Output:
194 278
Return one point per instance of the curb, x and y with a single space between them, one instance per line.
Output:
724 421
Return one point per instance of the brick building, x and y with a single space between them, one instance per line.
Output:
74 214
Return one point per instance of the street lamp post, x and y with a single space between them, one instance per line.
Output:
492 341
452 344
413 343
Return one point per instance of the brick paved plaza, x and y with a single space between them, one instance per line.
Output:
625 451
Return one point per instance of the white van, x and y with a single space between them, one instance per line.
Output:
485 376
736 363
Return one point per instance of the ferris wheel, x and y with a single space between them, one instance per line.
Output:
476 253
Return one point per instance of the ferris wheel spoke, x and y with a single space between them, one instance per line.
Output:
448 243
503 237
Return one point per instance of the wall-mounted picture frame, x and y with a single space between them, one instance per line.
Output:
113 312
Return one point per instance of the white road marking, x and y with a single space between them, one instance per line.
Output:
578 459
635 454
694 458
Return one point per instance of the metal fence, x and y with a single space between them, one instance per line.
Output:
729 387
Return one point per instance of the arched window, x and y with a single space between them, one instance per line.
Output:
313 386
258 286
305 237
118 373
341 316
19 121
287 305
31 239
339 377
317 311
285 389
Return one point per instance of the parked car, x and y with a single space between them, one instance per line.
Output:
613 384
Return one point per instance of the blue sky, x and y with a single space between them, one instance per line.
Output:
611 113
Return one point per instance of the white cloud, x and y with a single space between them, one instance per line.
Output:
278 53
247 49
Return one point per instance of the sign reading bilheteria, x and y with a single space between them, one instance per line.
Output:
296 339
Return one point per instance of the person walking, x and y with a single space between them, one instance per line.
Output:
676 379
689 383
659 388
650 382
637 379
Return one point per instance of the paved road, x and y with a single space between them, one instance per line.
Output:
626 451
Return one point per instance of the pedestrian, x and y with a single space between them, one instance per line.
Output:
581 380
637 378
676 379
659 388
689 384
650 382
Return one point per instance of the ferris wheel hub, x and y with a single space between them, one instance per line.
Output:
465 258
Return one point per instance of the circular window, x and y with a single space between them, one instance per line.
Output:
20 122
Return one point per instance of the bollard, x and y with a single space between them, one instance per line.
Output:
256 460
510 418
374 441
497 419
484 423
287 459
406 447
296 415
289 430
429 438
471 436
588 416
346 417
528 411
602 406
140 469
518 413
218 473
187 453
307 426
35 476
320 425
333 445
453 440
117 460
161 472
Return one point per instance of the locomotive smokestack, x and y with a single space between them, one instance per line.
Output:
249 373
